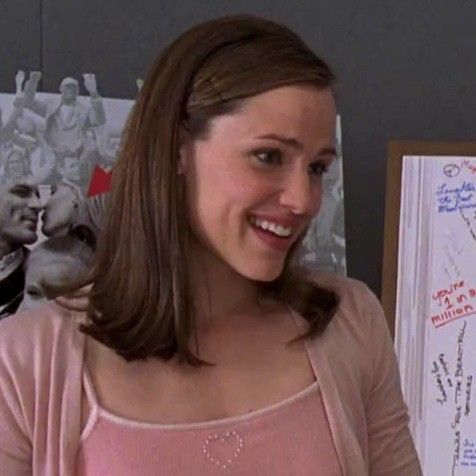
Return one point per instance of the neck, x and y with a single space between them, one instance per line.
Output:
6 248
219 292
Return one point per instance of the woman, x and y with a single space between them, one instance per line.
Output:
188 344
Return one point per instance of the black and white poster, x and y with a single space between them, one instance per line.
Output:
57 152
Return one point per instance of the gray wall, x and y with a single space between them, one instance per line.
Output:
406 69
20 39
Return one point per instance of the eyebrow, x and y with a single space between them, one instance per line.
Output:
24 188
21 187
295 144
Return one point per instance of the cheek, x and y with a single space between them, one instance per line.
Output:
17 210
317 197
217 208
64 211
54 214
217 181
4 216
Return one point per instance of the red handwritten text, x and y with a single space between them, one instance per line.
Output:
470 166
442 296
457 301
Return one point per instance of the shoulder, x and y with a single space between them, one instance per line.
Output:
41 356
30 338
340 284
52 105
39 321
356 339
356 301
359 323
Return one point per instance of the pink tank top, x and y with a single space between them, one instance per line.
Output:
291 437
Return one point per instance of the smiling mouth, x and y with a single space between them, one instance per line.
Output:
271 228
273 235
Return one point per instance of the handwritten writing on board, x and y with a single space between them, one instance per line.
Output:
443 379
457 300
437 283
470 166
451 261
459 377
469 453
469 388
451 170
450 199
469 218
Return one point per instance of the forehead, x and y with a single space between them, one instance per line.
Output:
296 110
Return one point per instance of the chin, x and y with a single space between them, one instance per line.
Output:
46 231
29 238
265 273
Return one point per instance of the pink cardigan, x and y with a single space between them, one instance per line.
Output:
41 359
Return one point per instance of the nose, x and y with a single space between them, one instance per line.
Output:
34 202
301 193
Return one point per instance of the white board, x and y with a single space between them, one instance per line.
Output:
435 334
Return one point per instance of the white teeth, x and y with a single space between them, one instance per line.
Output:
273 227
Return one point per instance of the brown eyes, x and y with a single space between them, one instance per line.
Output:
273 156
319 168
269 156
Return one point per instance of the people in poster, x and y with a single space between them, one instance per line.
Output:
51 149
324 245
67 118
53 261
63 147
60 210
19 209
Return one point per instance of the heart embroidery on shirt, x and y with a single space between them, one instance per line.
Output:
223 449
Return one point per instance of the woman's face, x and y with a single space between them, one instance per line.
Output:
264 161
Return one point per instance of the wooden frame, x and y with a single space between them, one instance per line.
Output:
396 150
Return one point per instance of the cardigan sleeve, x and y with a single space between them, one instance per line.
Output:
391 448
15 408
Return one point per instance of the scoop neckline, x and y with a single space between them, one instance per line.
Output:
269 409
98 410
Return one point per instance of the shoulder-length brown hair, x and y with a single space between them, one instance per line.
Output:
139 303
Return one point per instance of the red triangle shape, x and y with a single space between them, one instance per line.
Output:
100 181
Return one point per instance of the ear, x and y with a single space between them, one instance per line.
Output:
185 153
181 164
